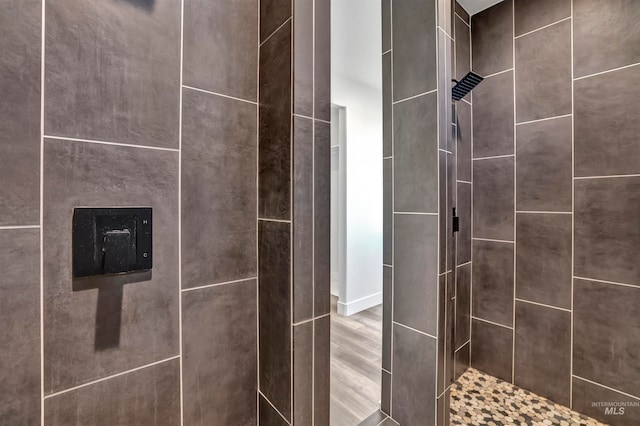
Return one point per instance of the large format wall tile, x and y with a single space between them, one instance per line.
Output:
20 332
586 393
606 125
493 208
414 372
463 137
107 324
462 49
218 189
606 334
607 235
462 360
274 254
322 367
322 221
302 57
492 39
463 242
543 73
493 281
220 46
302 219
387 311
543 264
463 305
269 416
113 71
530 15
150 396
322 71
274 169
414 48
387 211
386 25
20 45
493 116
492 349
543 351
302 374
415 270
273 14
543 155
219 372
387 107
415 160
606 35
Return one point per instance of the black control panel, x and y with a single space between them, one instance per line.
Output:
111 240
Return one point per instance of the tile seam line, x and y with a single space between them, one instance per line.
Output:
414 330
202 287
98 142
605 386
112 376
544 305
289 19
462 19
606 71
491 322
235 98
274 407
543 27
605 281
499 72
606 176
414 97
10 227
537 120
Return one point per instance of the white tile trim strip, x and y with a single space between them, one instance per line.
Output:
93 382
273 406
290 19
218 284
41 254
184 86
542 304
180 340
543 119
493 157
491 322
413 329
606 282
607 71
415 96
542 28
606 387
19 227
493 241
63 138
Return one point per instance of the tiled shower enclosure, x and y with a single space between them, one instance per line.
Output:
216 115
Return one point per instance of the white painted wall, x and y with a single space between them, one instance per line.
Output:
356 74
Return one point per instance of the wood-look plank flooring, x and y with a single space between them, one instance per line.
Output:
356 359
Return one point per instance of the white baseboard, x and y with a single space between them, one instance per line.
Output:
359 305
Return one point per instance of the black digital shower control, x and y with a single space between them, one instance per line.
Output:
111 240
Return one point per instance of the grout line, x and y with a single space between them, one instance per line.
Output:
257 379
542 304
19 227
321 120
62 138
542 28
41 216
384 53
313 221
388 266
463 345
264 219
319 317
113 376
493 241
276 30
291 161
444 150
184 86
464 181
274 407
606 387
180 337
438 27
393 217
413 329
573 209
543 119
463 20
184 290
472 195
414 96
499 72
493 157
515 195
605 176
466 101
416 213
540 212
491 322
606 282
388 158
385 370
607 71
463 264
310 118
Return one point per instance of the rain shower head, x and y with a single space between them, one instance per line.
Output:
464 86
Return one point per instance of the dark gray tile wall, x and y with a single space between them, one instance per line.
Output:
586 393
493 281
20 113
220 385
294 212
576 235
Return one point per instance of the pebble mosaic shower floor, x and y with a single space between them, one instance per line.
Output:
480 399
